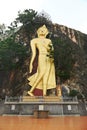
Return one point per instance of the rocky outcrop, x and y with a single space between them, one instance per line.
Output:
80 68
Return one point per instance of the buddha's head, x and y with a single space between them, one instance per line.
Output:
42 31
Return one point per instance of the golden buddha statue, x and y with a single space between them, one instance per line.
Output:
44 78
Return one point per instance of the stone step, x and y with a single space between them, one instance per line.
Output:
43 98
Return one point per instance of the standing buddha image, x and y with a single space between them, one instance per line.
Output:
44 78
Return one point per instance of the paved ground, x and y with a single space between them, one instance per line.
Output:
51 123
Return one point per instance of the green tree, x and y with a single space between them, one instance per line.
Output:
31 20
12 54
27 16
73 93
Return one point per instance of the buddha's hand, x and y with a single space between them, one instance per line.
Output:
30 68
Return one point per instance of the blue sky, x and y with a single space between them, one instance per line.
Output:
71 13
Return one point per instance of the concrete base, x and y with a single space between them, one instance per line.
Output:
55 106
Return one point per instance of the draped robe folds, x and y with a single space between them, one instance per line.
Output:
51 82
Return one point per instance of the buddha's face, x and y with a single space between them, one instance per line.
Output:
42 31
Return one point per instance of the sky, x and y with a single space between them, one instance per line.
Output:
70 13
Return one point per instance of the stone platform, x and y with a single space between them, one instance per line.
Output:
27 105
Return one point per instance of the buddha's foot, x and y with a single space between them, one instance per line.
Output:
31 94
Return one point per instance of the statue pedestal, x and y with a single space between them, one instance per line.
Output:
40 107
30 99
41 99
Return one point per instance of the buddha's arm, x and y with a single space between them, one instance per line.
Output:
33 48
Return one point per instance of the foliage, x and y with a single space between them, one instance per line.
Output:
63 58
26 16
31 21
12 54
50 52
73 93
